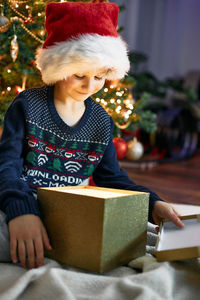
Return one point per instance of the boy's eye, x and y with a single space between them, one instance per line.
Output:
79 77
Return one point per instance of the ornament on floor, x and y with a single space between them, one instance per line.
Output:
120 146
14 48
135 149
4 23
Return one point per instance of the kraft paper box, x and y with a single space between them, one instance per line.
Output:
175 243
92 228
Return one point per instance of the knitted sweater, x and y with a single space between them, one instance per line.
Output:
38 149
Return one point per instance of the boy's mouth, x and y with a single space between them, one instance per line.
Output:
82 93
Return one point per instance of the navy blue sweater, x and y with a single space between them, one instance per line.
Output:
38 149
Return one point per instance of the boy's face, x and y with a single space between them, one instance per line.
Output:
82 85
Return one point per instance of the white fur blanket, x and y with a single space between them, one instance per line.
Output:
143 279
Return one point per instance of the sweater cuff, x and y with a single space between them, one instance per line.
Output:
151 206
18 208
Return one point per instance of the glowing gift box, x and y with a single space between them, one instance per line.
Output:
94 228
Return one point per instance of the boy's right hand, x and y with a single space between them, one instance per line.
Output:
28 237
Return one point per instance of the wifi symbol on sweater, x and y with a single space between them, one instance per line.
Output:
72 166
42 159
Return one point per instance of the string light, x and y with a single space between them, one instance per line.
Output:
112 100
8 88
126 116
130 106
119 101
97 99
106 90
9 71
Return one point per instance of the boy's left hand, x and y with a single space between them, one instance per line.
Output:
163 210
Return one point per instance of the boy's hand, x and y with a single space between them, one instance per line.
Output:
28 236
163 210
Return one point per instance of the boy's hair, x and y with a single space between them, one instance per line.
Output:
81 36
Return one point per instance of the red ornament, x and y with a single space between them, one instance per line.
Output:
121 147
18 89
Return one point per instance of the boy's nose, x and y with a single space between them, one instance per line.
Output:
88 85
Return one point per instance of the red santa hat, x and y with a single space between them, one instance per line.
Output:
81 36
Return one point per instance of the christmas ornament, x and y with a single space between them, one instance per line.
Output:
14 48
124 125
4 23
135 149
18 89
120 146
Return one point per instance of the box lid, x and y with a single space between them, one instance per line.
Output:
175 243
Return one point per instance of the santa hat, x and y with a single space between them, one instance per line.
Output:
82 35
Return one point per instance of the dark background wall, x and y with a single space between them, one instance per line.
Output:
167 31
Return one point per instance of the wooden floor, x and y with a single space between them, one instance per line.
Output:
177 182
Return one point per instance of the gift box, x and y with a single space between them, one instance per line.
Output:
174 243
92 228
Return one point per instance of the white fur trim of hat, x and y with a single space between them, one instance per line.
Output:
83 53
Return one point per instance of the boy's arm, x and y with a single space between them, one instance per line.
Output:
109 174
16 197
27 233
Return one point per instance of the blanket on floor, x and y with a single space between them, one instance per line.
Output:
143 278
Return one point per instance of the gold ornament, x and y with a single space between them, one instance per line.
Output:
135 149
124 125
4 23
14 48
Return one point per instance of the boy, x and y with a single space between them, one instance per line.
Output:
56 135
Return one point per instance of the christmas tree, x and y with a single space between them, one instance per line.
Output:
22 32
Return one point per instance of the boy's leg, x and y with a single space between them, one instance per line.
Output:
4 239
